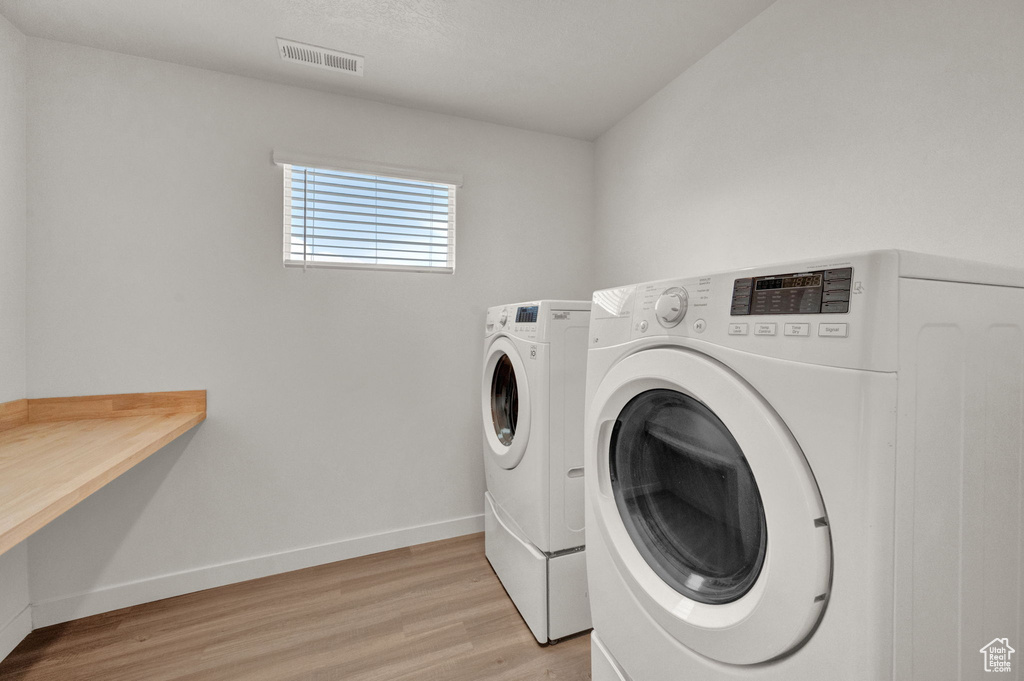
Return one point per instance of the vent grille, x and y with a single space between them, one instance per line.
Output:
321 57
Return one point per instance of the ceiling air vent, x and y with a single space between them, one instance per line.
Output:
321 57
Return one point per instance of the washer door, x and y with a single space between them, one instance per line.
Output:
708 507
687 497
506 403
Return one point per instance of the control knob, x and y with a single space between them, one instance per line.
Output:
503 319
670 307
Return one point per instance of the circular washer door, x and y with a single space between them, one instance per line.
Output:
506 403
708 507
687 496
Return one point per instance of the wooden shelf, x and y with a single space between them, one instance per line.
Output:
55 452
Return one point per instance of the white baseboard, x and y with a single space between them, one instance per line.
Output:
118 596
15 631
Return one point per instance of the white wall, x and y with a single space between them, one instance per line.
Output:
12 212
15 618
343 405
820 128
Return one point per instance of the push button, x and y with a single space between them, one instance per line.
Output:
738 329
797 329
835 306
835 295
765 329
837 285
833 330
844 273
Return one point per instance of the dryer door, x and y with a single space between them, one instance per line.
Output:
708 506
506 403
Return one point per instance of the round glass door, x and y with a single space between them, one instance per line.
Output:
687 496
504 400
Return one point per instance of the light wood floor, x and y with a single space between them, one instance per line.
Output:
434 612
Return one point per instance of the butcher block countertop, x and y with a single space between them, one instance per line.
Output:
54 452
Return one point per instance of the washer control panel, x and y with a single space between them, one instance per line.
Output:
536 320
527 314
816 292
523 320
836 312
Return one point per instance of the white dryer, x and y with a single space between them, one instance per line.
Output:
807 471
534 375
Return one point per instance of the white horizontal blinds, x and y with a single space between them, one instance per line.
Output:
346 219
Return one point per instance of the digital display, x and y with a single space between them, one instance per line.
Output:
799 281
526 315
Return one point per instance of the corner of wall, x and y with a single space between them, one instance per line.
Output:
13 211
15 608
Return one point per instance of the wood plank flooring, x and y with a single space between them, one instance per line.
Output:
433 612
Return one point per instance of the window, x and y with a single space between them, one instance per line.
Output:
368 217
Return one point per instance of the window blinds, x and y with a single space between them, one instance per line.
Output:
337 218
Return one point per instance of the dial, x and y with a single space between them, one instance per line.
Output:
671 306
503 319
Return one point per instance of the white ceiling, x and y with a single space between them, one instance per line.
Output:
570 67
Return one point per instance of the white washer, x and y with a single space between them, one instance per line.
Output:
535 357
807 471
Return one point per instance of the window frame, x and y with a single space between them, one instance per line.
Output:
453 180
